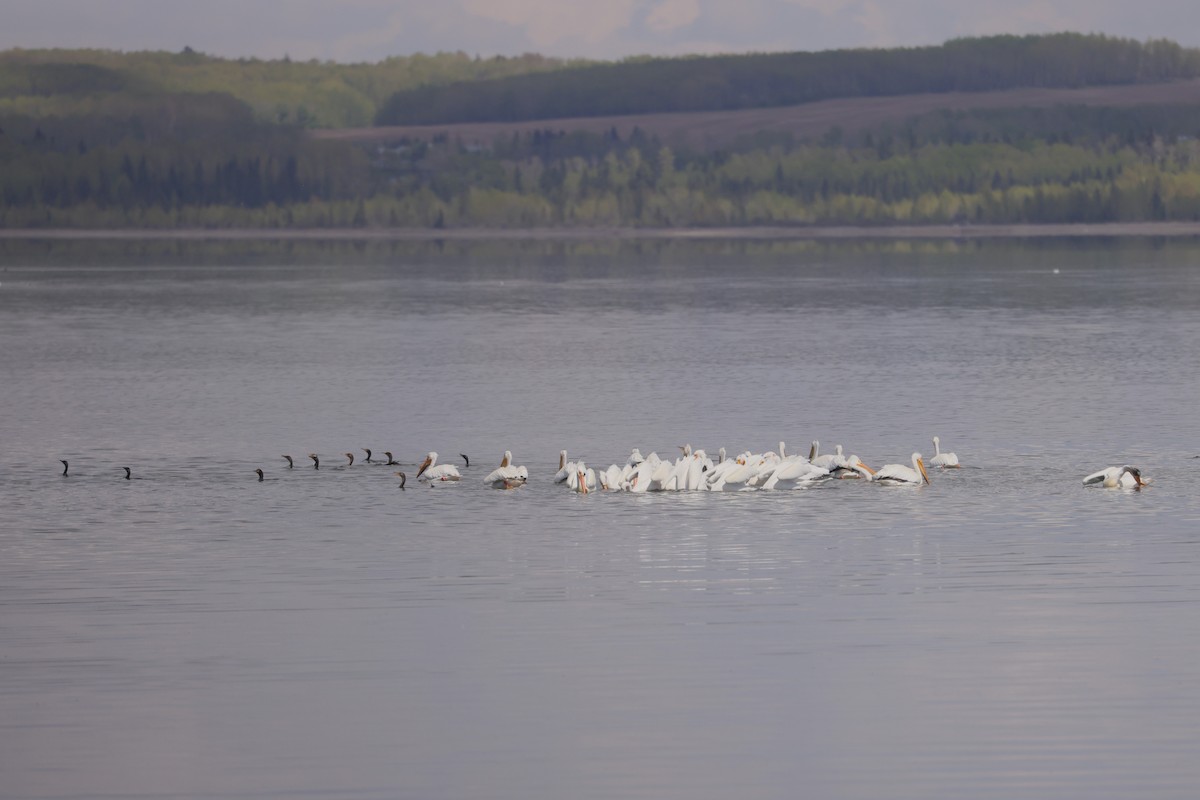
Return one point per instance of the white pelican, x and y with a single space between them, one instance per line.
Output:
563 469
432 471
734 476
829 461
897 474
793 473
943 460
1125 477
854 468
583 480
507 476
610 479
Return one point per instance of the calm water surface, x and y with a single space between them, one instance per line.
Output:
193 633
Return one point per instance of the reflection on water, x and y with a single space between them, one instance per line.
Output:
194 633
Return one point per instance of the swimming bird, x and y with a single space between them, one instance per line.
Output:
901 474
128 473
367 450
943 460
403 479
1124 477
583 477
466 460
66 466
432 471
829 461
563 469
316 461
391 462
507 476
260 475
793 473
351 457
290 464
854 468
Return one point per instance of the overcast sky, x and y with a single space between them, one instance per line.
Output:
368 30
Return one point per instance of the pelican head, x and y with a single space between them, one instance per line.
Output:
260 475
687 450
562 459
919 466
289 460
429 461
814 451
721 456
316 461
507 459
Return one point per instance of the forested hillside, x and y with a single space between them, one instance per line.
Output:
781 79
40 83
87 140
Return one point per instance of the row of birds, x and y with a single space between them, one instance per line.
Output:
695 471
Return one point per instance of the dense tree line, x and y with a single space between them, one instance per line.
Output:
140 140
552 179
313 93
718 83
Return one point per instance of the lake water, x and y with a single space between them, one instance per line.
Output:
194 633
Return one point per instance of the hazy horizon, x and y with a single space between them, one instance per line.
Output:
370 30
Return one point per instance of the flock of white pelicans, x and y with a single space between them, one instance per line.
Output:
694 470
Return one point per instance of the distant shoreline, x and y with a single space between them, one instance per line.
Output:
834 232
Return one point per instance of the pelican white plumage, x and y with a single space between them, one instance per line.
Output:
793 473
854 468
737 475
1123 477
563 468
432 471
583 480
507 475
610 479
943 460
829 461
636 478
901 474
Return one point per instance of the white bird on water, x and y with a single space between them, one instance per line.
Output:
432 471
943 460
507 476
1124 477
901 474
